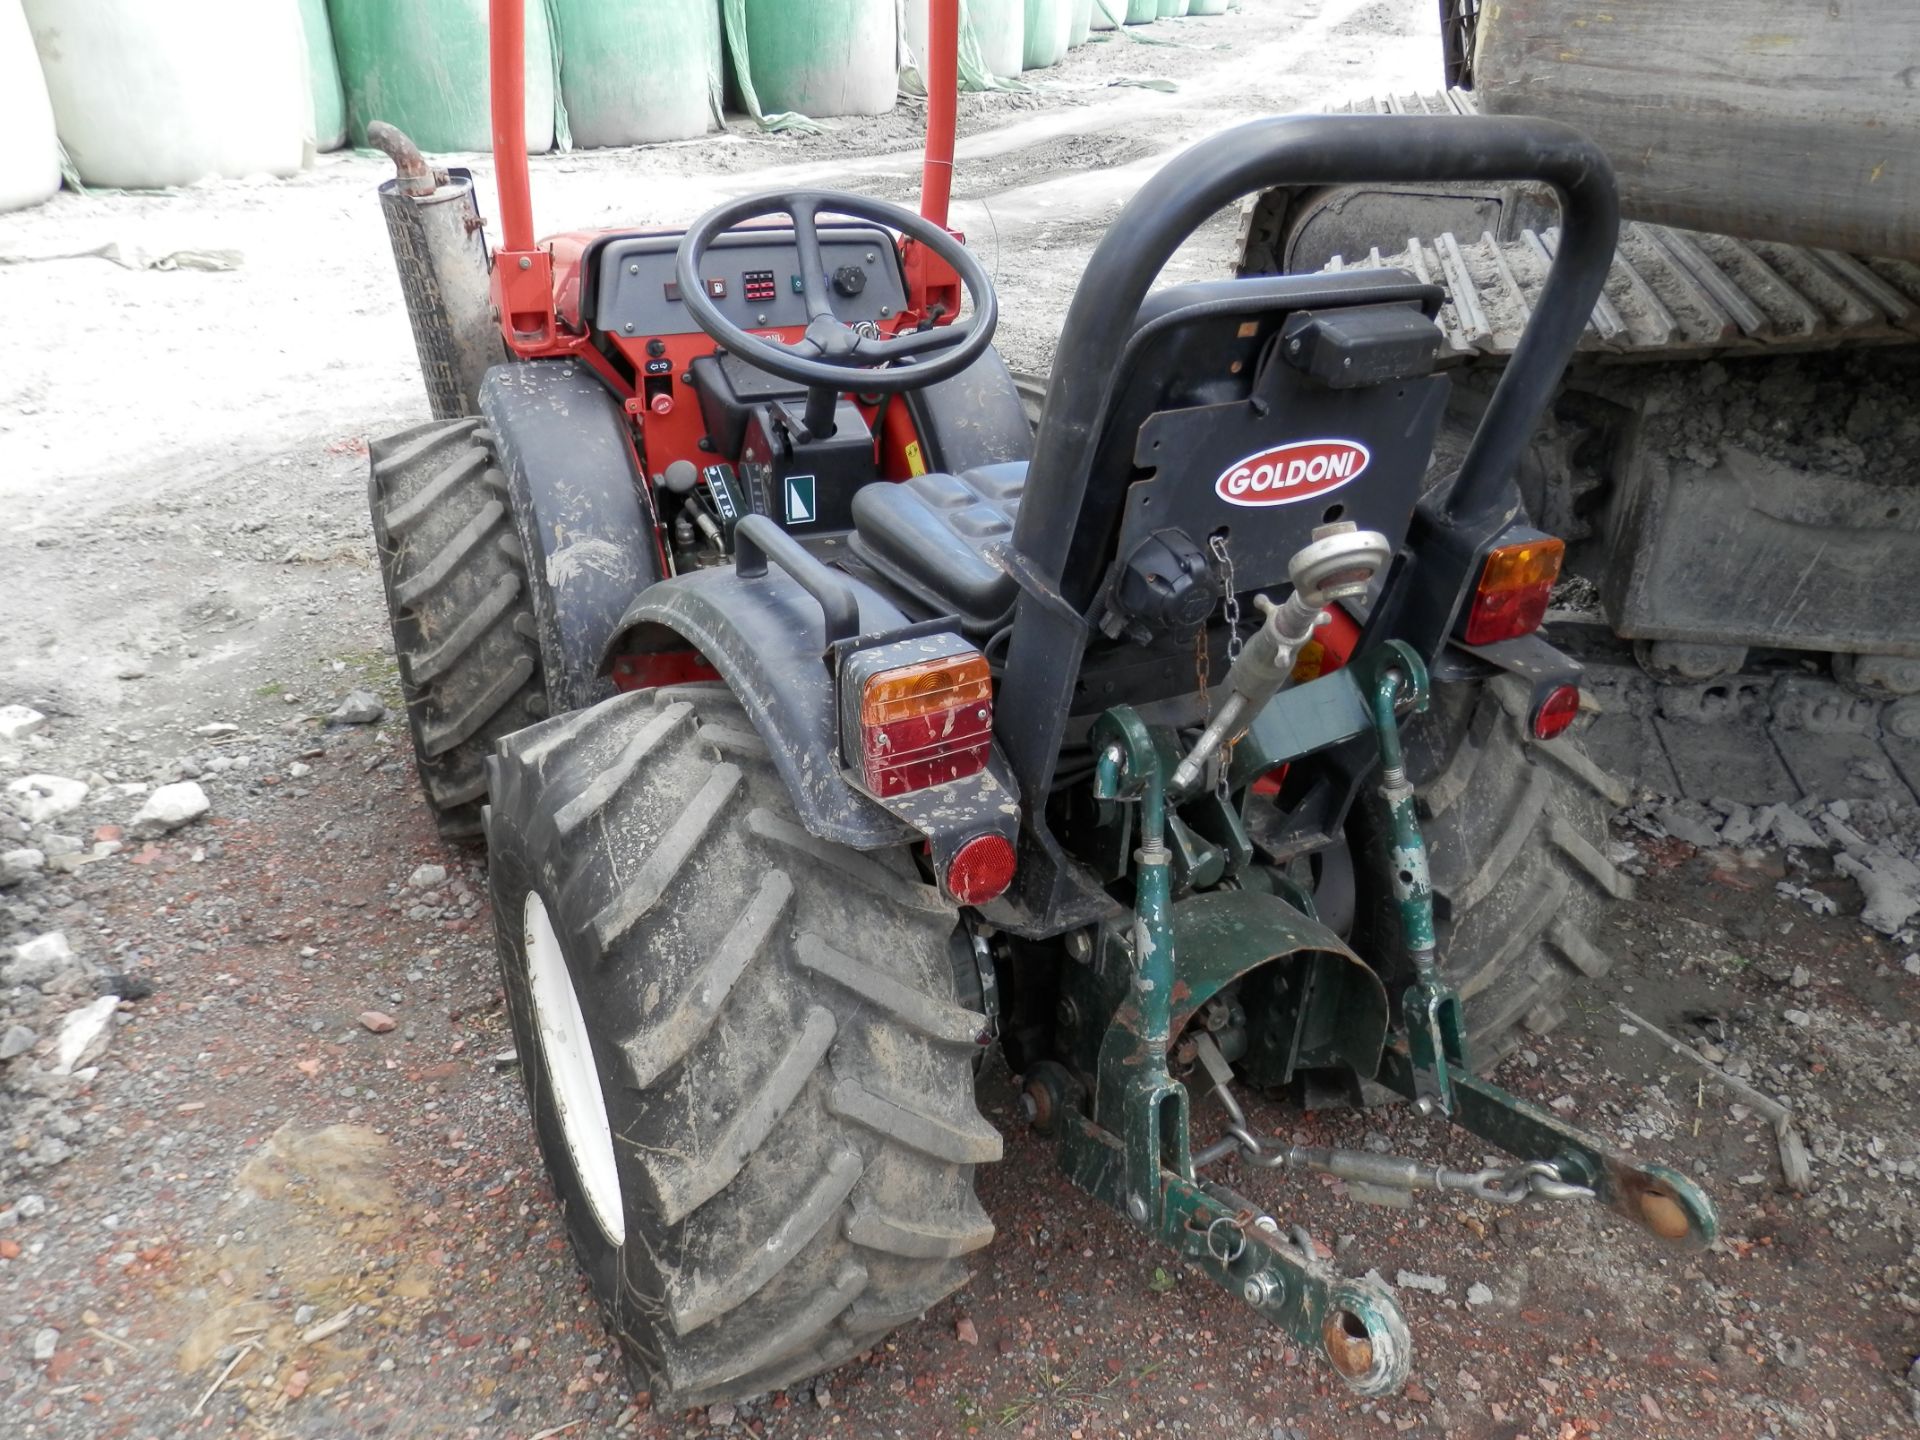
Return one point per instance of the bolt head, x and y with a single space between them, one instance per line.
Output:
526 263
1260 1290
1423 1105
1137 1208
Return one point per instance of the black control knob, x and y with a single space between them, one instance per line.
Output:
850 280
656 347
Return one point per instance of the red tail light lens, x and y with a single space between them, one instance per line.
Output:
1556 712
1511 598
923 723
981 870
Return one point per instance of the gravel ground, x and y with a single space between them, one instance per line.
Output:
288 1186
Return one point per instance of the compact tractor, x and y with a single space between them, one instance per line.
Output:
827 725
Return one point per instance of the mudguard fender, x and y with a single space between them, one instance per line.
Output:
767 638
583 510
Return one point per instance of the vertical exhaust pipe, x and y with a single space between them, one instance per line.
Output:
433 222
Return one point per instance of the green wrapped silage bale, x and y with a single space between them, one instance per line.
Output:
146 95
1109 14
1139 12
637 72
323 71
1207 7
1082 26
29 150
1000 27
1172 9
1049 23
422 65
823 57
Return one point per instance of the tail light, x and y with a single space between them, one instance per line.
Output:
907 726
981 869
1511 598
1555 713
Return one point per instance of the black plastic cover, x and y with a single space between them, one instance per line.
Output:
766 635
933 536
1275 454
729 388
1364 345
804 484
974 419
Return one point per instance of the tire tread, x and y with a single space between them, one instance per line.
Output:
788 1067
468 672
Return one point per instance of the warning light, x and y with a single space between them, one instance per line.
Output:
1511 598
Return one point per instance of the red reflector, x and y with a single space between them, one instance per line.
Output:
1556 712
982 870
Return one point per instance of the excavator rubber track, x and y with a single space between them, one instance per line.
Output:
1672 294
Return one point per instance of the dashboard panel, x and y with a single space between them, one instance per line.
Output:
752 275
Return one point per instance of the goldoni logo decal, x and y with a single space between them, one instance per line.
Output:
1296 471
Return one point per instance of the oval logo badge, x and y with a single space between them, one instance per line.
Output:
1292 472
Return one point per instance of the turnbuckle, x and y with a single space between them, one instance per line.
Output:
1528 1180
1508 1185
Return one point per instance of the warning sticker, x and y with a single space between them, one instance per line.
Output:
915 464
800 506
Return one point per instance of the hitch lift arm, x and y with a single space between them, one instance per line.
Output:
1129 1143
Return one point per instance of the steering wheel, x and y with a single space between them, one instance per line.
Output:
833 356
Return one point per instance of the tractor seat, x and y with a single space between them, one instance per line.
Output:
930 536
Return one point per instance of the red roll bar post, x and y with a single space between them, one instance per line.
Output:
933 289
522 273
943 107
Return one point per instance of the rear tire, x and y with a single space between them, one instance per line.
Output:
776 1047
463 628
1516 833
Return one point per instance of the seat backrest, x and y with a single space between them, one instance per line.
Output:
1254 410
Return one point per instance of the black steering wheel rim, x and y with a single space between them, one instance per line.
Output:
848 360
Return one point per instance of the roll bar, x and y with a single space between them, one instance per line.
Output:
1043 654
1323 150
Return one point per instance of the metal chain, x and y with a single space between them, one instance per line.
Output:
1230 601
1230 611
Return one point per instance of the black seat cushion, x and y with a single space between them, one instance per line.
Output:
930 536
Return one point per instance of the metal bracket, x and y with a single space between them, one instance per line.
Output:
1133 1150
1436 1027
1356 1324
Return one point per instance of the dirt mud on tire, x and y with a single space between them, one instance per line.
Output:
787 1077
457 592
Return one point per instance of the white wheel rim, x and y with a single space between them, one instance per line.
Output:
566 1058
